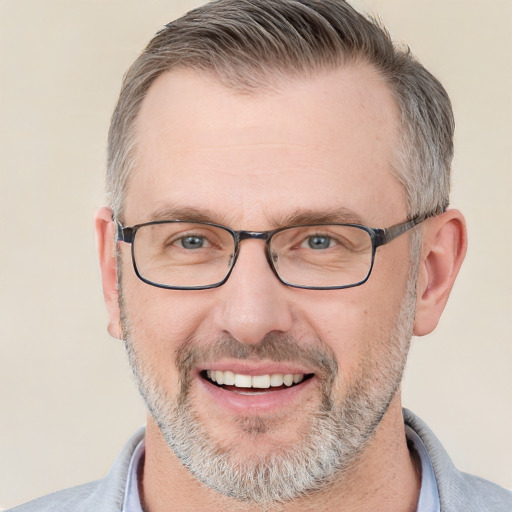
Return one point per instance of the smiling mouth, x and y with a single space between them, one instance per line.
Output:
250 384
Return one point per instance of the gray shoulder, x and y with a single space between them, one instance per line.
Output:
481 495
67 500
105 495
458 491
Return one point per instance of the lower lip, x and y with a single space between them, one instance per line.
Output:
259 401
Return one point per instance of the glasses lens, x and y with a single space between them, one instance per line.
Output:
183 254
322 256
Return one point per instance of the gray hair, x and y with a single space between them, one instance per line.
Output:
250 44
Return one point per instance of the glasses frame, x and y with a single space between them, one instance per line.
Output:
379 237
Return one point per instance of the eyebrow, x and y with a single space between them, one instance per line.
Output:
299 216
340 215
182 213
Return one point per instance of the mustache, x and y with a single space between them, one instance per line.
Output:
273 346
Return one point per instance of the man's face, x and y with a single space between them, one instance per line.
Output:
316 150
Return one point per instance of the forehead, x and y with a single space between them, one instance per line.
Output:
322 143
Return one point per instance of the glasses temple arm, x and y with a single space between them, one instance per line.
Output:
386 235
123 234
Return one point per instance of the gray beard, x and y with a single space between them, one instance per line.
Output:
334 436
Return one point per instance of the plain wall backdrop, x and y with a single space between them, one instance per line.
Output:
67 400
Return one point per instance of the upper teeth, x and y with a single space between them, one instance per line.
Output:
255 381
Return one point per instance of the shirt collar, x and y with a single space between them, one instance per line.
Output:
132 502
429 495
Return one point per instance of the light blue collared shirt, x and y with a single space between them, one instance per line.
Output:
429 495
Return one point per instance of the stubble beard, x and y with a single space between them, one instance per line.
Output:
332 440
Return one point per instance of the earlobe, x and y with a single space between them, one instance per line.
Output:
443 250
105 240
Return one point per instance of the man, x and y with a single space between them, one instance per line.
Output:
278 228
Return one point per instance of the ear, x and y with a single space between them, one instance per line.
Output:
105 240
443 250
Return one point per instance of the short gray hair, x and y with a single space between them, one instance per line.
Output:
248 44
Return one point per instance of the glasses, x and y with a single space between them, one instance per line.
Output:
184 255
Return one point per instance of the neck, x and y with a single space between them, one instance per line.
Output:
385 478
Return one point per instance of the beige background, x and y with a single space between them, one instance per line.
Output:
66 398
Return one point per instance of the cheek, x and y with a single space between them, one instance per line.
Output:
355 323
159 315
160 321
345 327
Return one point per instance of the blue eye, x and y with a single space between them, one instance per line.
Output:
319 242
192 242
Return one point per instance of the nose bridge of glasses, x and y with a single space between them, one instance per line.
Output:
257 235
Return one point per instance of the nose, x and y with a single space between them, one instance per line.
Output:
253 301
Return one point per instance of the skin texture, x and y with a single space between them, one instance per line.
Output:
299 152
